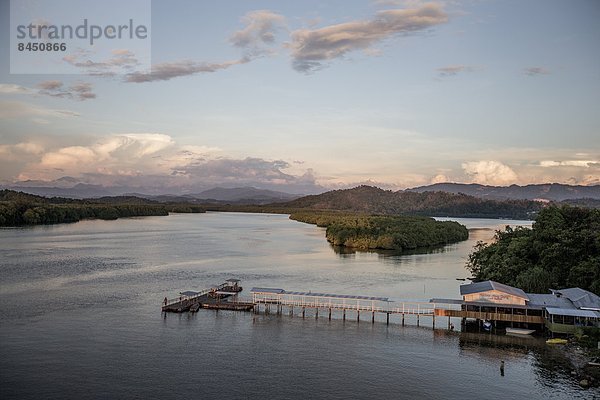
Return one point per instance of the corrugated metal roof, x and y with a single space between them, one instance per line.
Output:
549 300
447 301
485 286
581 298
188 293
573 312
312 294
337 296
266 290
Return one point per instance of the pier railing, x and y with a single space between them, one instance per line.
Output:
204 292
337 303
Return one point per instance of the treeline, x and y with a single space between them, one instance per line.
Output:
561 250
372 200
399 233
17 209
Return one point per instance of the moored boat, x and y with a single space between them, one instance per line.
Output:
519 331
557 341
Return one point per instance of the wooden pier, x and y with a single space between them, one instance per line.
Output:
215 297
276 300
500 305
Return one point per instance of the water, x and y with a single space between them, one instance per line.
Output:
80 317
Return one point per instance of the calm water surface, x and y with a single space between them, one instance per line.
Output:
80 317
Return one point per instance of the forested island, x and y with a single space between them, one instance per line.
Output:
561 250
369 232
18 209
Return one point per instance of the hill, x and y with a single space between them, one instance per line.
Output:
247 195
550 191
372 200
561 250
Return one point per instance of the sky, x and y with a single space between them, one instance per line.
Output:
306 96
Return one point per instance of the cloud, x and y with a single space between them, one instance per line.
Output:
79 90
16 151
440 178
17 109
120 61
153 160
536 71
260 31
50 85
570 163
310 48
489 173
113 155
250 171
9 88
453 70
54 88
166 71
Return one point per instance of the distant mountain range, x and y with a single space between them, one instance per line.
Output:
70 187
258 196
549 192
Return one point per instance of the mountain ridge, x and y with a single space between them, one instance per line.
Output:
541 191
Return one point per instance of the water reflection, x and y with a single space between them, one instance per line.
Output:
86 296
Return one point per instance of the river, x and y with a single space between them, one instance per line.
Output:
80 317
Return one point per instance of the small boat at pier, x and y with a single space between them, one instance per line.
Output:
557 341
519 331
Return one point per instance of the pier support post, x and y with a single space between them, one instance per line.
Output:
303 311
291 311
448 322
373 318
433 321
417 319
387 319
317 313
357 315
330 314
402 319
344 317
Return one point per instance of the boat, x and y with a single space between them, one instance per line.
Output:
487 325
519 331
557 341
195 307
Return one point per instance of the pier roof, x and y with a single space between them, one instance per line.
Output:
485 286
549 300
337 296
313 294
580 298
573 312
266 290
188 293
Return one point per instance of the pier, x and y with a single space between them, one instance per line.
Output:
487 303
278 300
216 297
